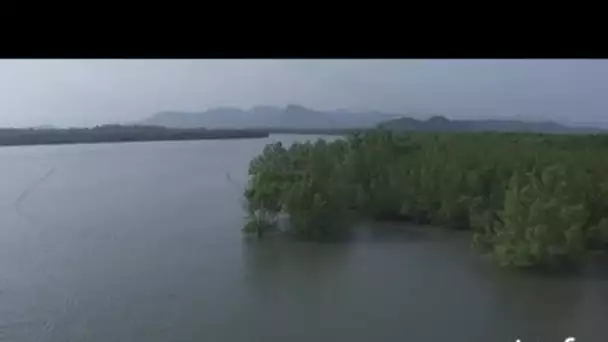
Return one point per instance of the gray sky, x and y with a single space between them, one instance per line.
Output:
89 92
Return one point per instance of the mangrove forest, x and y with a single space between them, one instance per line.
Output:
529 200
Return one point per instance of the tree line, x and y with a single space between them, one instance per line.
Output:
117 133
530 200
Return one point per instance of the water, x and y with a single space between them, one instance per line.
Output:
142 242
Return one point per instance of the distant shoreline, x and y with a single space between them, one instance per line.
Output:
125 141
118 134
314 131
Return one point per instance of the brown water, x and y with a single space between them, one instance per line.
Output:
142 242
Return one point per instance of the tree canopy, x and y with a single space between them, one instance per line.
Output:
529 199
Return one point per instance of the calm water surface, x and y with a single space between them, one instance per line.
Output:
142 242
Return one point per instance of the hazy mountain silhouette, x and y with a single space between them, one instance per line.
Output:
442 124
293 116
301 118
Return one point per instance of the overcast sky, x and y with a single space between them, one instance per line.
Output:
89 92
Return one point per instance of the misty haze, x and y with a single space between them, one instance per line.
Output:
303 200
67 93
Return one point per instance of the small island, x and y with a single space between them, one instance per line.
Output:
118 133
529 200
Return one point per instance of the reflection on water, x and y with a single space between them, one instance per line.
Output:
142 242
537 309
552 307
427 286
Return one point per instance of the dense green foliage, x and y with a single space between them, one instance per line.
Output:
529 199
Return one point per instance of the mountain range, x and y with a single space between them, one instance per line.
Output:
442 124
296 117
290 117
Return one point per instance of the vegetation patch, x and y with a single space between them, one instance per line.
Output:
531 200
